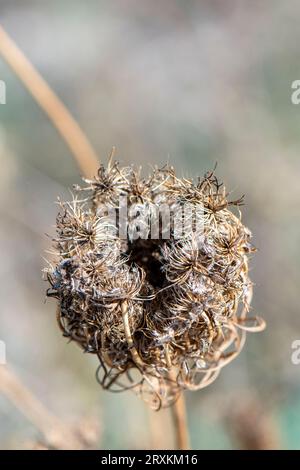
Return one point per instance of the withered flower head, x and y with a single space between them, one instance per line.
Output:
159 291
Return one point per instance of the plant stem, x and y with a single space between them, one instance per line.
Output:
180 423
57 434
134 354
66 125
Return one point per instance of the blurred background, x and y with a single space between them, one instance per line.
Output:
191 82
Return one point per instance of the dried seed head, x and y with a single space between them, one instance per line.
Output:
163 313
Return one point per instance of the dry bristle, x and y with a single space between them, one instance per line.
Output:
162 314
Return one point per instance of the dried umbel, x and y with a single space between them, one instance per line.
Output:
163 305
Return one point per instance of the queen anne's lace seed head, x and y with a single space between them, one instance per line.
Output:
162 313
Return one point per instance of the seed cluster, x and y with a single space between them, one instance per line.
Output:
162 314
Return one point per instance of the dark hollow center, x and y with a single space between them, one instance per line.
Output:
147 255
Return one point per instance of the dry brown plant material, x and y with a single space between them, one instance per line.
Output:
151 309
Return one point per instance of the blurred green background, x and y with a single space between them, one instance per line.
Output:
191 82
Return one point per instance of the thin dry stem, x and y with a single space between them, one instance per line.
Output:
160 429
134 354
70 131
56 433
180 423
178 410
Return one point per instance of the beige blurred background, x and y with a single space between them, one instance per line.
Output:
191 82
